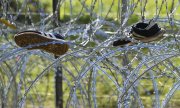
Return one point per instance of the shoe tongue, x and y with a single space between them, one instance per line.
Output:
151 23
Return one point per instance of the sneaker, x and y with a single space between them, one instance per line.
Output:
27 38
147 32
122 42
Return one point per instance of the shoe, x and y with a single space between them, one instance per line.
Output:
147 32
27 38
122 42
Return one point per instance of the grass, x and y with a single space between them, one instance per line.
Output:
106 92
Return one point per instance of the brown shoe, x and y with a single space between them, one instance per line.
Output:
27 38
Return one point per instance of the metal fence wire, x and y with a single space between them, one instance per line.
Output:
95 74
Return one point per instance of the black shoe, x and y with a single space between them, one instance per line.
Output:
26 38
147 32
122 42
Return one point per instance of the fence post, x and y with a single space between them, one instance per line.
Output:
59 86
58 69
56 12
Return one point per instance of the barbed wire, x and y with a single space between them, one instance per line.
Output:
95 73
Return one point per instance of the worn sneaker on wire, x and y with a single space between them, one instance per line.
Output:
147 32
45 41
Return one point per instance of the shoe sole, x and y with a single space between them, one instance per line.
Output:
30 38
155 37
